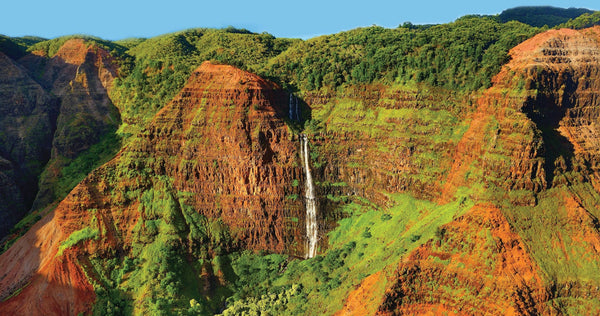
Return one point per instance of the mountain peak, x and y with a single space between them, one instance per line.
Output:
229 77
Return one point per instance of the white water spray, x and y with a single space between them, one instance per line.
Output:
311 202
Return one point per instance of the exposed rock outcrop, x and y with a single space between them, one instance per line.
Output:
531 142
80 75
27 123
221 139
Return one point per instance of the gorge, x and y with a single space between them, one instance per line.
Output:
447 169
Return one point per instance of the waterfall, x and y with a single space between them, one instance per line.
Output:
294 113
311 201
291 106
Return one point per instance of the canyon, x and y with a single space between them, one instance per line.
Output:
243 192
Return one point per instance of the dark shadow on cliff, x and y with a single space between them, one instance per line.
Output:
547 110
294 110
28 114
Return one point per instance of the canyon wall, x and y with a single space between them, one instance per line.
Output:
220 148
218 169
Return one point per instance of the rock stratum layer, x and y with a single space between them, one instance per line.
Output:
220 143
504 186
535 151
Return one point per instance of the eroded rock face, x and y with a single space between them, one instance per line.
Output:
80 75
27 123
221 139
540 116
532 141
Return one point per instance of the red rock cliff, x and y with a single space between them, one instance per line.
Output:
221 138
80 74
532 142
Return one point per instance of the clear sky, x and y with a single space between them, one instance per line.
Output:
118 19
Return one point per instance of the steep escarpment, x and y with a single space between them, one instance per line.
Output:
223 139
57 124
437 193
27 123
529 142
213 172
80 74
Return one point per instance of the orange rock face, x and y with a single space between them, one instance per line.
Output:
221 138
542 106
533 130
482 263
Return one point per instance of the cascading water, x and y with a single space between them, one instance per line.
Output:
311 201
294 113
291 106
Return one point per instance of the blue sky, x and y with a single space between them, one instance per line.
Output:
118 19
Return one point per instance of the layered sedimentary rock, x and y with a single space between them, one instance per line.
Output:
531 142
27 123
80 74
223 139
220 146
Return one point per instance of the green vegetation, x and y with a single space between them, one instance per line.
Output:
360 246
542 16
179 262
584 21
76 237
461 55
74 170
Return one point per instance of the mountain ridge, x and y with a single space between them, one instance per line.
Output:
431 198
